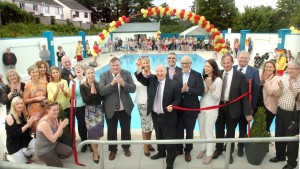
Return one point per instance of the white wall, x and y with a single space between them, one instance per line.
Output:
68 44
263 42
231 37
26 51
81 16
292 42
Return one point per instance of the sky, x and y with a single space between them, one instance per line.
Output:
185 4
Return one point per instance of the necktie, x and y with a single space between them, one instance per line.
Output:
241 70
158 99
118 96
224 86
72 71
171 73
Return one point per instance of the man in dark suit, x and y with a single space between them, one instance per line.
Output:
172 69
163 93
67 71
191 84
115 85
251 73
9 59
234 85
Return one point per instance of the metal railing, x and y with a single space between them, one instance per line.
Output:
183 141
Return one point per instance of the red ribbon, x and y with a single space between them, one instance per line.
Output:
212 107
72 125
250 100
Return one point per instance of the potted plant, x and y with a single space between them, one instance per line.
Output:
255 152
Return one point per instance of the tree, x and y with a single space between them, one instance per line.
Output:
288 10
221 13
259 19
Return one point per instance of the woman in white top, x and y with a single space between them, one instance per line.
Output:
80 105
141 100
207 118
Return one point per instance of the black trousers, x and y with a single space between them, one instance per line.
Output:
224 119
269 119
112 126
163 131
80 116
188 123
242 130
283 119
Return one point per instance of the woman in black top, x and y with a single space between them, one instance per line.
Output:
60 53
17 131
13 89
94 117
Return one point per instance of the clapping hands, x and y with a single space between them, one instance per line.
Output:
63 123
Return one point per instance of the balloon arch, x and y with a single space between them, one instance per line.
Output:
216 35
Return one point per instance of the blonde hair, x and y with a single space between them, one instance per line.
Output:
54 68
31 68
13 111
86 69
146 59
9 72
79 65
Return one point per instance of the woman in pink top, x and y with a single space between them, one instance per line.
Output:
236 46
269 80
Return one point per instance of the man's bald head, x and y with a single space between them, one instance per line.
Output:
161 72
66 62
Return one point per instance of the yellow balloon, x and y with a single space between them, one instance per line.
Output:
223 45
161 12
185 17
178 15
168 13
207 26
291 28
122 22
153 9
120 19
154 14
146 12
143 10
217 37
160 7
221 36
200 23
192 20
145 15
104 31
202 18
113 23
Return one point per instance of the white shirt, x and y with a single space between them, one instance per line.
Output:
119 89
244 69
162 87
229 79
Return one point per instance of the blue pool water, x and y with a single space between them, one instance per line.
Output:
128 63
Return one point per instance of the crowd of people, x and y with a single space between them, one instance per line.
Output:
38 111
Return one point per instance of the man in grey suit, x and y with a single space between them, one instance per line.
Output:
115 86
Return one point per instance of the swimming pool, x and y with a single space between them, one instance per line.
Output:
128 63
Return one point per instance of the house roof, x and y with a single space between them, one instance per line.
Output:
47 2
138 27
73 5
194 30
